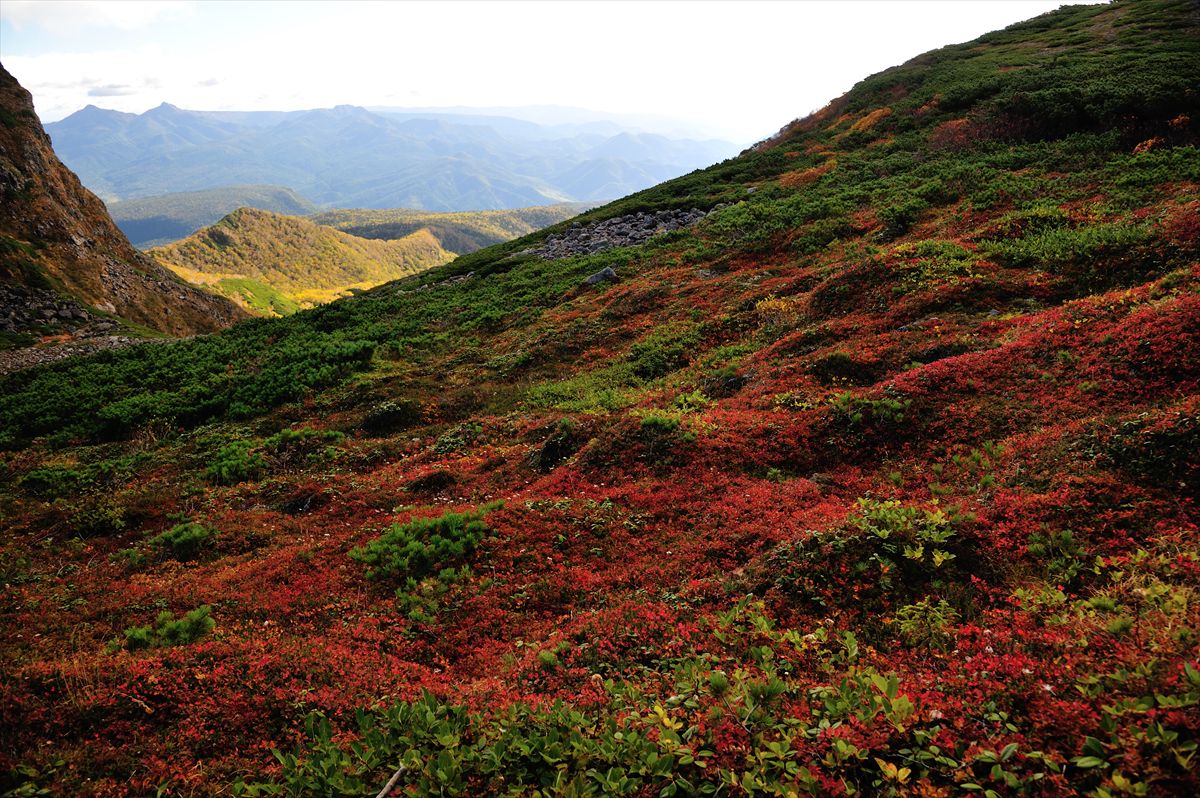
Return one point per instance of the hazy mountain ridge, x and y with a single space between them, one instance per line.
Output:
460 233
350 157
153 221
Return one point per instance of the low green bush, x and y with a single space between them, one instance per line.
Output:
1095 256
665 350
858 411
423 545
171 631
897 551
185 541
291 448
235 462
51 482
392 415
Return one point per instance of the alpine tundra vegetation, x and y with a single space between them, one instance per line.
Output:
876 477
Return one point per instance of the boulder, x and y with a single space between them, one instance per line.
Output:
603 276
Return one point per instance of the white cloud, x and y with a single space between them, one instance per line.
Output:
75 15
736 69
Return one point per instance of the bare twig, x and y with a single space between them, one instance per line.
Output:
387 788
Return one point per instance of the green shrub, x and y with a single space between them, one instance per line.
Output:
665 350
858 411
236 462
185 541
392 416
898 219
1159 448
1059 553
171 631
52 482
895 551
1035 220
562 443
842 367
1096 255
820 234
291 448
99 515
927 625
422 546
660 425
131 557
464 436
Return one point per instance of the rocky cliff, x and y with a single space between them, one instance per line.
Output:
55 234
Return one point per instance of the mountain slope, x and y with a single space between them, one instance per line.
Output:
880 479
152 221
257 257
459 232
56 234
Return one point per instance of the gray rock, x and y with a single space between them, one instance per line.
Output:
603 276
621 231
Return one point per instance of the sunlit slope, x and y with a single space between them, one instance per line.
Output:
251 255
458 231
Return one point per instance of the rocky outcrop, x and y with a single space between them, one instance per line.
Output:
621 231
16 359
38 311
56 235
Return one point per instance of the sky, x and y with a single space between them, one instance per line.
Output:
732 70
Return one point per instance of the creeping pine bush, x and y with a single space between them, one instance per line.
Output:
53 481
423 545
391 416
665 350
858 410
170 631
235 462
926 624
289 448
184 541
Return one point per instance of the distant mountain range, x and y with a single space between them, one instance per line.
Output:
351 157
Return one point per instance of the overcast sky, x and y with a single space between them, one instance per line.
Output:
734 70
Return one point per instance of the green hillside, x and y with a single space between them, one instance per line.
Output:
879 479
273 264
459 232
153 221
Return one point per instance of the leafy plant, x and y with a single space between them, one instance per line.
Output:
171 631
185 541
235 462
423 545
925 624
